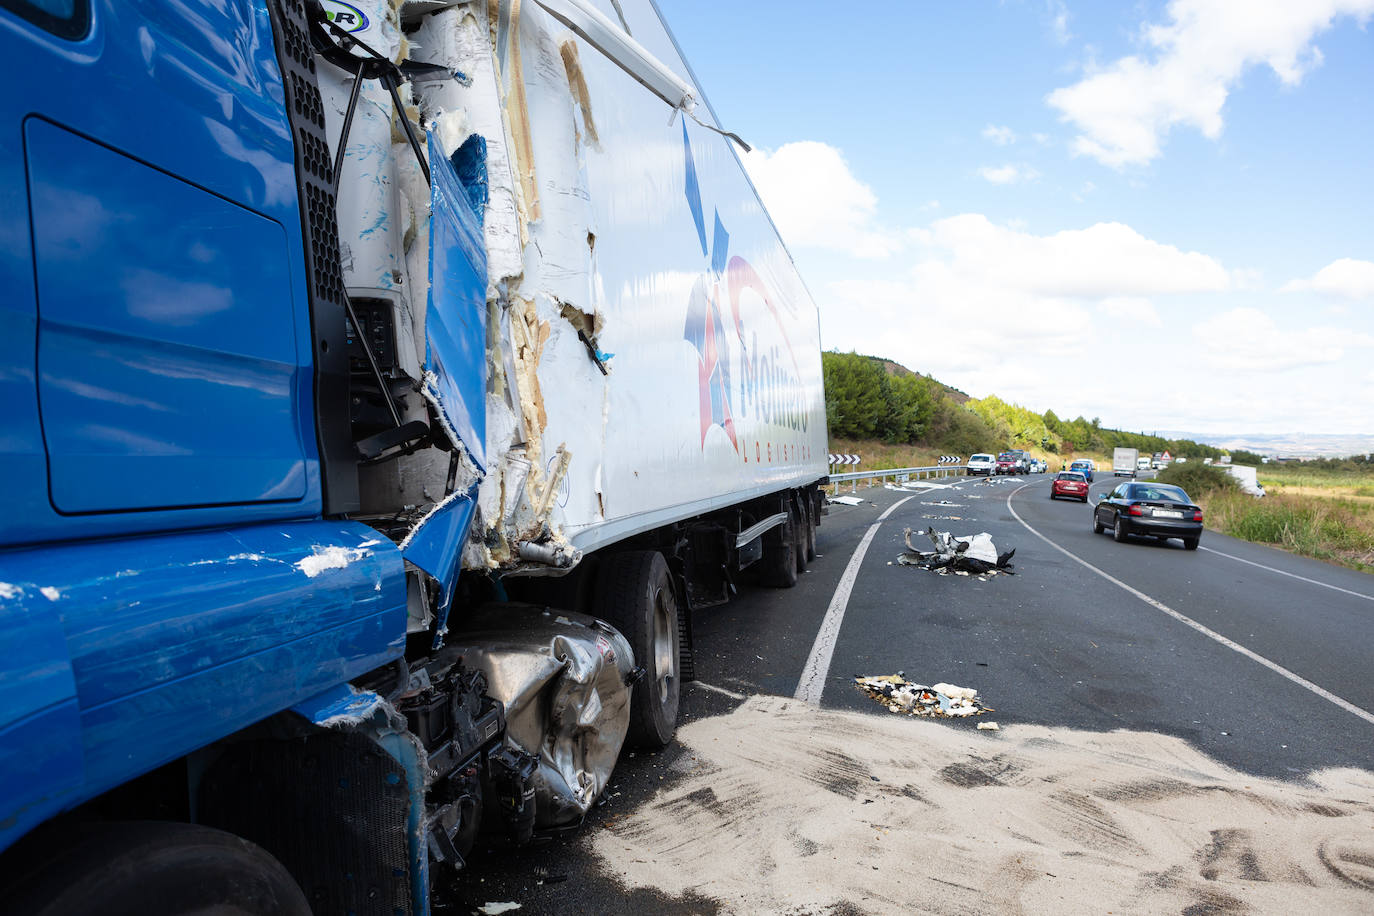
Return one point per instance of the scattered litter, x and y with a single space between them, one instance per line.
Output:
988 727
847 500
946 503
495 909
961 555
945 518
942 701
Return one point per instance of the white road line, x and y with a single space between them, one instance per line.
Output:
1334 588
1205 631
720 690
812 683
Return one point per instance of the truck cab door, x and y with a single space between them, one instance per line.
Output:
157 335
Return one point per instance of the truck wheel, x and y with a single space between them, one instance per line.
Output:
151 868
634 591
809 526
778 567
800 528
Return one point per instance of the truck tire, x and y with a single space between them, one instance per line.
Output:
800 527
778 567
809 523
634 592
152 868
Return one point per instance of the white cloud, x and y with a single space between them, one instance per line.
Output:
1250 340
1188 68
997 309
1134 309
816 201
1345 278
1059 20
1008 174
1102 261
1002 136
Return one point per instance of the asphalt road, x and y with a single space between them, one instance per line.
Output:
1059 643
1254 656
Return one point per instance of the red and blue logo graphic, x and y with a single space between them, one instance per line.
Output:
738 375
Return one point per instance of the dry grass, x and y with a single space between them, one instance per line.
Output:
1333 529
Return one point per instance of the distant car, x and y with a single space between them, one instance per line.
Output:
1069 483
1083 466
1014 461
1147 508
981 464
1142 463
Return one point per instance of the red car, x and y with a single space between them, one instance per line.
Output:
1069 483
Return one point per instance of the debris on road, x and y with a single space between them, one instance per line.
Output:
946 503
945 518
942 701
988 727
494 909
847 500
963 555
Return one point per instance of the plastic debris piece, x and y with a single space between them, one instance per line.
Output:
966 554
847 500
988 727
496 909
899 695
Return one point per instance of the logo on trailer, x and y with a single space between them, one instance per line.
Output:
345 15
740 376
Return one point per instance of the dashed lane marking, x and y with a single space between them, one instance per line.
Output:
1204 630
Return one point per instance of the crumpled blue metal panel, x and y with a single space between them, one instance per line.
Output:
455 364
174 641
40 725
436 546
343 706
456 319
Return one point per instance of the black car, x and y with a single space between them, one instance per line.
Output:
1154 509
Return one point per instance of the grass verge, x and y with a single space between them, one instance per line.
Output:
1336 530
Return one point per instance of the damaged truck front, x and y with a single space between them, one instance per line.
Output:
384 386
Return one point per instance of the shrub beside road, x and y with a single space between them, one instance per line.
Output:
1322 517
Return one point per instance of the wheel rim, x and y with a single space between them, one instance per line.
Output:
665 659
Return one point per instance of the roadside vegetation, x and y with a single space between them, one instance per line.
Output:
1314 519
887 413
894 418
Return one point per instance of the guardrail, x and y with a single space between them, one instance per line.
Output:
899 474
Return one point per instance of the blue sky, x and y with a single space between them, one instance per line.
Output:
1160 214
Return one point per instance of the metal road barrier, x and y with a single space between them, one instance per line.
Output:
901 475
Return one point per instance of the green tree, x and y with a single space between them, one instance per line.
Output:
855 404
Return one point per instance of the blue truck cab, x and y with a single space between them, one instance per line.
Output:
177 564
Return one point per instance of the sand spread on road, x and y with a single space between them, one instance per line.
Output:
783 808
